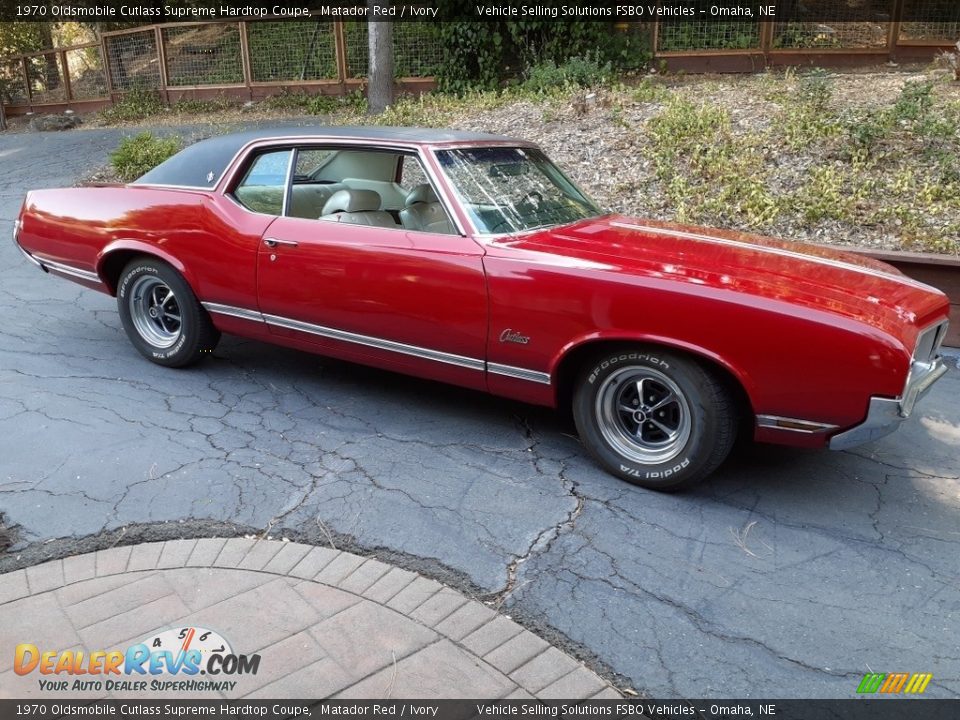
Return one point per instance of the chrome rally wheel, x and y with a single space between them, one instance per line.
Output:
161 315
654 417
155 311
643 414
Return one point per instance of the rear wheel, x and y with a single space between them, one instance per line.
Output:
654 418
161 315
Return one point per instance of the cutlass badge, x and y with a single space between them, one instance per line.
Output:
512 336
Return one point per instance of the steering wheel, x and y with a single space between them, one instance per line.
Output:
532 199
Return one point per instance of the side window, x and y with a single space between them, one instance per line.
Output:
310 161
412 173
422 210
262 188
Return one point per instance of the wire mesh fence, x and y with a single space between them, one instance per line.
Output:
927 23
45 76
292 51
416 51
706 34
85 69
853 24
833 35
133 60
205 54
288 53
13 88
356 40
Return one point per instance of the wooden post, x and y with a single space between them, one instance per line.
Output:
245 59
162 59
105 64
26 81
66 75
766 40
893 31
340 45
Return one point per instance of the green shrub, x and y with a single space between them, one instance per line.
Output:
586 71
136 155
914 102
482 56
138 103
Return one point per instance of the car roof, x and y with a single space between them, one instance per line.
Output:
202 164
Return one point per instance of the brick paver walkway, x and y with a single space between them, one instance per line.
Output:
325 623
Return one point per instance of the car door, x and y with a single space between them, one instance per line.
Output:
410 301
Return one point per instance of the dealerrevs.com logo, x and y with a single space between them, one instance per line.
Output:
895 683
172 660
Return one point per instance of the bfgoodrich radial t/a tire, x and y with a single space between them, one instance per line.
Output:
161 315
655 418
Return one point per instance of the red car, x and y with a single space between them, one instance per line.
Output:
472 259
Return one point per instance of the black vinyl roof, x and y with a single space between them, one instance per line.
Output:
202 164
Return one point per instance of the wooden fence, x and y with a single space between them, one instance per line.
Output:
717 46
252 60
242 60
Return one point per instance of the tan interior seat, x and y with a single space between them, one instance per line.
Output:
358 207
423 212
308 200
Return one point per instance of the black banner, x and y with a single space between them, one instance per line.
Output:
699 11
893 708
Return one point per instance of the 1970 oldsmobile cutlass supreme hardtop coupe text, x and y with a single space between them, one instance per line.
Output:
472 259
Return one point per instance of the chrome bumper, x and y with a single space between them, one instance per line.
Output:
884 415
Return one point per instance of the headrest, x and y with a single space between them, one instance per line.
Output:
352 201
421 194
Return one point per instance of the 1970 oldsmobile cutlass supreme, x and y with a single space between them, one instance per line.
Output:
472 259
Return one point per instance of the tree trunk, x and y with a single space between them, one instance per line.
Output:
51 69
380 80
3 114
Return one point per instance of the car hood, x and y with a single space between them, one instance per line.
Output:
820 278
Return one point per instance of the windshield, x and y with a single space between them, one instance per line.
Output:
507 190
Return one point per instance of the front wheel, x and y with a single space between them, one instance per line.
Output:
654 418
161 315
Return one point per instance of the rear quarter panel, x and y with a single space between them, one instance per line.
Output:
209 239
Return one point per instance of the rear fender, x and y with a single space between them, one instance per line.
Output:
109 269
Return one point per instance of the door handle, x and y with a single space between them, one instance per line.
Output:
271 242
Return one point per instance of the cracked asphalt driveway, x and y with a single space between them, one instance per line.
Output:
790 573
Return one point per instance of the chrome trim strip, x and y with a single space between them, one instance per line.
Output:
70 270
809 427
165 186
28 256
381 344
773 251
288 182
378 343
519 373
236 312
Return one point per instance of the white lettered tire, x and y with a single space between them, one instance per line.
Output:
653 417
161 315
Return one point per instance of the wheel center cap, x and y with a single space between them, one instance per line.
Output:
639 416
154 312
